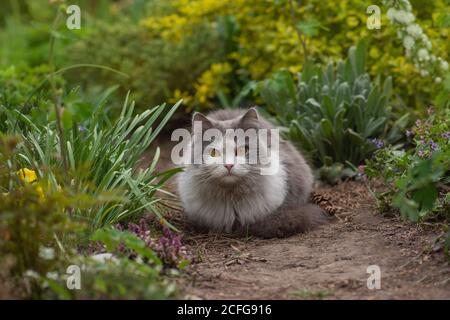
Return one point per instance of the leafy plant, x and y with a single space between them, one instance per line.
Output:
35 230
103 160
156 67
417 178
40 236
335 113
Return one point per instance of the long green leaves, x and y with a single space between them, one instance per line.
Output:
103 161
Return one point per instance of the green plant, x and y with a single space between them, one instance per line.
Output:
336 113
122 277
36 233
264 36
156 67
102 160
40 237
417 178
133 271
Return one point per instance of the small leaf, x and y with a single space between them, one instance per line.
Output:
310 27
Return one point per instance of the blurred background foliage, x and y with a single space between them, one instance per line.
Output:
210 51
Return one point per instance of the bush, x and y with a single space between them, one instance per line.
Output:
156 67
417 178
101 159
261 37
42 212
336 114
34 220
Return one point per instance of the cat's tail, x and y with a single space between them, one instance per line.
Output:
287 222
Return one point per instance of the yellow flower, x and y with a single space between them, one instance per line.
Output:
27 175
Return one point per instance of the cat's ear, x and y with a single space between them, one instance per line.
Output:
250 119
200 117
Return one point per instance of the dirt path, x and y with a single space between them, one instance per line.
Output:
329 263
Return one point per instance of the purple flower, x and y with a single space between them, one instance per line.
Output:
421 154
446 135
377 143
433 145
167 247
82 128
409 133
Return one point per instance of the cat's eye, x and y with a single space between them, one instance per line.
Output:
214 153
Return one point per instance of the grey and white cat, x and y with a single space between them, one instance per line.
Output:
236 198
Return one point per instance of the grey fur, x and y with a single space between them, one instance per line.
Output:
252 204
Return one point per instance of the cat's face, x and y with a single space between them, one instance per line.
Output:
231 149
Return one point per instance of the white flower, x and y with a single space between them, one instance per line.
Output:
444 65
408 42
52 275
424 73
409 18
104 257
46 253
414 30
391 13
403 17
423 54
438 80
31 274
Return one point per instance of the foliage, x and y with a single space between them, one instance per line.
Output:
168 246
25 89
156 67
172 46
418 47
102 159
335 113
33 220
417 178
264 36
40 234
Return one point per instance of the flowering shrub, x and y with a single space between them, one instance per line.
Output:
40 237
417 44
36 233
261 37
418 178
167 247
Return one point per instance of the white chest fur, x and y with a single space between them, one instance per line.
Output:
219 208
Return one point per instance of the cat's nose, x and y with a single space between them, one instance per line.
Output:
228 166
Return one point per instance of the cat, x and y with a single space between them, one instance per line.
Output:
236 197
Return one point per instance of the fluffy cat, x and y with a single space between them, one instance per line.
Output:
237 198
